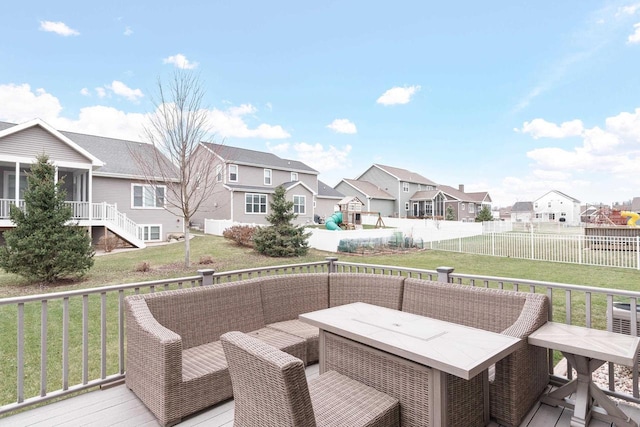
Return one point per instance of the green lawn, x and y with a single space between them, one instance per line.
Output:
166 262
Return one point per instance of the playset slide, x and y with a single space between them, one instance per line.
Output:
333 222
633 217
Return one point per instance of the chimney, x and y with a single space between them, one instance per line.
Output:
461 188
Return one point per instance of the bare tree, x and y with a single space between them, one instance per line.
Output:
176 128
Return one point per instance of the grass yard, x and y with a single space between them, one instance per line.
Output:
166 262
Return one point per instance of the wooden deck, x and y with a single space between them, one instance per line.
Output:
118 406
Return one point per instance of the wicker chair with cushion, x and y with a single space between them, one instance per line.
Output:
270 390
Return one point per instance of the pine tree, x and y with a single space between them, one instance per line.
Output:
281 238
450 216
484 214
43 246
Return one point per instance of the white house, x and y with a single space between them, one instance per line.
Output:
555 206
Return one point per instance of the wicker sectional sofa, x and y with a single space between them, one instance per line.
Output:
175 363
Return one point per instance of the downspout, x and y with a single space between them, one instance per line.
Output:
17 185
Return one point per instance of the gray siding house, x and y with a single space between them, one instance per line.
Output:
398 192
327 200
246 180
103 184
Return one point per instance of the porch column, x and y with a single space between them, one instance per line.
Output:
17 185
90 193
207 276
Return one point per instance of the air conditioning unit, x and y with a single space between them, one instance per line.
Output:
621 320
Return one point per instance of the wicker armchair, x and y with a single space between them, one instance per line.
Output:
270 390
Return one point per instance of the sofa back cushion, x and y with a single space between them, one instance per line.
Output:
377 289
286 296
489 309
200 315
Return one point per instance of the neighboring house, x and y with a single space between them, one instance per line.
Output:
589 213
522 212
635 205
246 180
466 206
401 184
102 181
327 200
374 198
555 206
397 192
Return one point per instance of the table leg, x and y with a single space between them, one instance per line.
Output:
590 401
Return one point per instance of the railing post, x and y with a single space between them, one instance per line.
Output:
332 266
207 276
443 274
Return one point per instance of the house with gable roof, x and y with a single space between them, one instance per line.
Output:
103 184
555 206
248 179
465 205
393 191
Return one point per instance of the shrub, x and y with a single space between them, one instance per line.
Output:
109 242
206 259
143 267
241 234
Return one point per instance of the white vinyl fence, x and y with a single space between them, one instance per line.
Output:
610 251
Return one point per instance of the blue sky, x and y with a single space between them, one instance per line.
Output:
515 98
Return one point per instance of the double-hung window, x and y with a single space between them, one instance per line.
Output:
233 173
148 196
299 205
218 173
405 187
294 176
150 233
255 203
267 176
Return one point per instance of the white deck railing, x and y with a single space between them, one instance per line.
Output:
85 211
66 342
607 251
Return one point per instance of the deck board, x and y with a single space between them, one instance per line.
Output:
118 406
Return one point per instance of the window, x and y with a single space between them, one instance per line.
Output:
548 204
255 203
471 208
267 177
294 176
464 206
536 205
406 206
148 196
218 173
151 233
405 187
552 217
233 173
299 203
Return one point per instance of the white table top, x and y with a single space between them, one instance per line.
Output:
593 343
459 350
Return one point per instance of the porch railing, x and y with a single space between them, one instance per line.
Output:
105 212
61 343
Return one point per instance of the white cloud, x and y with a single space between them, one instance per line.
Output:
20 104
231 123
398 95
342 126
59 28
85 92
629 9
540 128
101 92
180 61
121 89
128 31
635 36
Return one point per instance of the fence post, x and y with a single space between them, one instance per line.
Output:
638 252
443 274
207 276
332 266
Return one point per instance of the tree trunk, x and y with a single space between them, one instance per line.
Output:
187 245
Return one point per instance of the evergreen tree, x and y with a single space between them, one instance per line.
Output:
43 246
449 215
281 238
484 214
